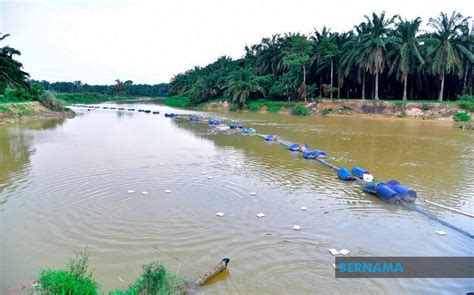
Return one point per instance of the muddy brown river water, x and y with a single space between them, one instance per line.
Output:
64 183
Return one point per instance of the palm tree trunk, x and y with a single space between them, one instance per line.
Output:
442 89
464 88
405 88
304 82
332 73
363 86
338 88
376 86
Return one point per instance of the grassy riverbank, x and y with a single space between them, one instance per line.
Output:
460 110
11 112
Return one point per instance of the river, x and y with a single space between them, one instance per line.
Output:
64 183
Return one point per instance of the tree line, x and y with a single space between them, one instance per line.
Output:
384 56
118 88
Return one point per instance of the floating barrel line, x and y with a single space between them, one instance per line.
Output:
391 191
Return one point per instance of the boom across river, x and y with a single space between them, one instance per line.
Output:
390 191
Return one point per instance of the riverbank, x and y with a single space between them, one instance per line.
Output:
26 111
424 110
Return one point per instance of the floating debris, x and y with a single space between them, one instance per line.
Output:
440 232
344 251
175 171
161 164
252 193
203 172
296 227
333 251
167 191
144 193
220 214
260 215
288 185
209 177
130 191
303 208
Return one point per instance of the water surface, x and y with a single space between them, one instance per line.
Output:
64 183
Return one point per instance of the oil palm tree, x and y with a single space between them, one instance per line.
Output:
242 83
406 51
11 73
446 46
373 51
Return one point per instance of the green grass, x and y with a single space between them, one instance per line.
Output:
273 106
178 101
5 109
326 111
462 117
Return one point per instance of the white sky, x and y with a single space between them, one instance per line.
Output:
150 41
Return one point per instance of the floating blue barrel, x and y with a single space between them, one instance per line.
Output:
141 111
147 111
214 122
245 131
231 125
370 187
313 154
170 115
194 118
131 110
252 131
156 113
239 125
359 172
105 108
406 193
294 147
386 193
344 174
270 138
121 109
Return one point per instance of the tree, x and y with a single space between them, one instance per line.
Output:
298 56
11 73
326 50
447 48
242 83
406 51
373 45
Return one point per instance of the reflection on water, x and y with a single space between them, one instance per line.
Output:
67 189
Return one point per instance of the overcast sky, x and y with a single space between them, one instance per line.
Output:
150 41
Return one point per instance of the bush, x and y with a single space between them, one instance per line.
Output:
300 110
466 102
462 117
17 94
72 280
273 109
48 100
399 104
178 101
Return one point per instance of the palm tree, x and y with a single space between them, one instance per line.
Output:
325 52
340 40
447 47
11 73
373 45
242 83
406 50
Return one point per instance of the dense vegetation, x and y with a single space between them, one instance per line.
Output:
122 88
76 279
382 57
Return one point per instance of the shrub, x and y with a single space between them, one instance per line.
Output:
178 101
402 115
425 107
17 94
462 117
48 100
72 280
273 109
399 104
300 110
